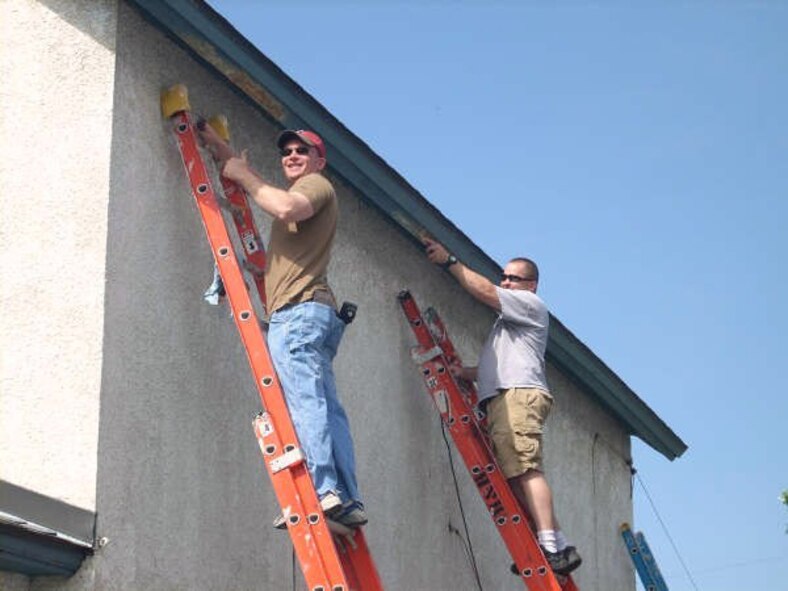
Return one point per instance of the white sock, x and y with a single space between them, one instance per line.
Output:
547 540
560 540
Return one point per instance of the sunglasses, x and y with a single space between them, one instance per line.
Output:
301 150
515 278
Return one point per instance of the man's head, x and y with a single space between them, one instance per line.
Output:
303 153
520 273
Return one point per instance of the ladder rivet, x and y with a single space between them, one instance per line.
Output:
465 419
182 127
313 518
541 571
490 468
269 449
527 572
441 369
426 371
501 521
223 251
245 315
339 588
319 588
202 188
294 519
289 447
452 420
515 519
476 470
267 381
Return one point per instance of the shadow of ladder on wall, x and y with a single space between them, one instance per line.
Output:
456 404
332 557
643 559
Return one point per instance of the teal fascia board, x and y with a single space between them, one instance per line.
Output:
38 554
195 25
41 535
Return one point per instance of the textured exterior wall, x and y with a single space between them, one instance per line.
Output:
57 65
182 498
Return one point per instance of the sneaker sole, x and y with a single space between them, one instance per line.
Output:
570 567
353 523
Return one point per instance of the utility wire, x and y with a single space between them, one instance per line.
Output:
665 529
294 569
468 544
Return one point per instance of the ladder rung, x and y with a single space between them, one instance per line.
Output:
420 356
288 459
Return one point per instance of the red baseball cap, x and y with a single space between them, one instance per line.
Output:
310 138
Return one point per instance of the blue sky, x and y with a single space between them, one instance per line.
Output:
638 153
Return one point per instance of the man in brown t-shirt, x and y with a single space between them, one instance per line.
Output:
304 330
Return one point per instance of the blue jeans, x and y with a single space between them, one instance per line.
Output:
303 340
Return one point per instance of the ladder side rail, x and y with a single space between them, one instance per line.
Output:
441 336
237 202
357 561
637 558
293 485
479 460
651 563
296 496
248 234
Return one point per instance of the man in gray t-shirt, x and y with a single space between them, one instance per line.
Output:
513 354
513 389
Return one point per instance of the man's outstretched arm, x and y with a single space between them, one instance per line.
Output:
477 285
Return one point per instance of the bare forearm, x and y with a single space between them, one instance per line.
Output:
477 285
283 205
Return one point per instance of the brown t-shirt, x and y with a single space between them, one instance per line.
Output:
298 254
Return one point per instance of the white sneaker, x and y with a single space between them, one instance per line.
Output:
330 503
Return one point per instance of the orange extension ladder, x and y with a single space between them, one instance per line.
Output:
332 557
456 403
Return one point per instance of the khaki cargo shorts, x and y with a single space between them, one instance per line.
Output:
515 419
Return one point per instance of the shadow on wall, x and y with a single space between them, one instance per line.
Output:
95 18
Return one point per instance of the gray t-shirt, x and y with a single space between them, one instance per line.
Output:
513 355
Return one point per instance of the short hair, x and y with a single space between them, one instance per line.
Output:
533 270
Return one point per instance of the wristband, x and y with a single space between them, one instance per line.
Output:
452 260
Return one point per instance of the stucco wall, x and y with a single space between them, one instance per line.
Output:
57 65
182 497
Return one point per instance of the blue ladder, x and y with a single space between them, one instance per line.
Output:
643 559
